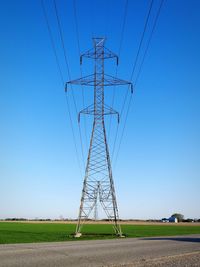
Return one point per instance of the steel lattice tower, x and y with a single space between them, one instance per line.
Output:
98 182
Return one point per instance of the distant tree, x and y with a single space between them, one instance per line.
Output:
180 217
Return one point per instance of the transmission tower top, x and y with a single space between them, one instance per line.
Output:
99 43
99 53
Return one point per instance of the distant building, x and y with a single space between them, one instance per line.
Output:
171 219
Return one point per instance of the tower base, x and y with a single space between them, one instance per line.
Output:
77 235
122 236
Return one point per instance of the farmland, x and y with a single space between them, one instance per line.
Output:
18 232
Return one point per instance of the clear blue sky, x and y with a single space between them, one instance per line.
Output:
158 170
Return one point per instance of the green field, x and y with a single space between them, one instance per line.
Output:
47 232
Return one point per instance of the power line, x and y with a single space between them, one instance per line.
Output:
138 51
62 79
61 38
140 68
52 41
76 24
116 72
123 28
142 39
79 51
132 74
117 132
149 41
122 135
69 76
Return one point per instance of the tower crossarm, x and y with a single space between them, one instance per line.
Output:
90 80
94 53
90 110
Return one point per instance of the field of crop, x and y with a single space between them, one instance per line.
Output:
17 232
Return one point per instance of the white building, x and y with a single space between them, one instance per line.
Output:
171 219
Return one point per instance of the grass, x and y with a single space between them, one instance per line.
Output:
16 232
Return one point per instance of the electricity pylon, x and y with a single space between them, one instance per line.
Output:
98 181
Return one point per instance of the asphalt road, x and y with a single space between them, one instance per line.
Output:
161 251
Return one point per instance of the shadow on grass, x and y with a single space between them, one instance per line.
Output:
181 239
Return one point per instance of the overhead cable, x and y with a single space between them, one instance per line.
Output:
132 74
69 76
116 72
62 80
81 72
140 69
